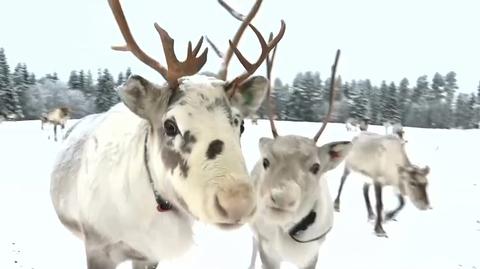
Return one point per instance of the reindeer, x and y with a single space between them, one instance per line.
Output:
351 125
295 211
383 159
131 181
57 116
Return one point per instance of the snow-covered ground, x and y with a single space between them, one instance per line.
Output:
446 237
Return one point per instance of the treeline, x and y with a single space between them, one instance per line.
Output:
425 103
24 97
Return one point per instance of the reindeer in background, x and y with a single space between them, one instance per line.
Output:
295 211
57 116
131 181
383 159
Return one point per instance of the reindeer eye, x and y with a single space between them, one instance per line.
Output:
315 168
266 163
171 128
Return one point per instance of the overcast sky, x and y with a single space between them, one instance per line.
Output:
379 39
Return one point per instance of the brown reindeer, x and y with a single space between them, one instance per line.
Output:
57 116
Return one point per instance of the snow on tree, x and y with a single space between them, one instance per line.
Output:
105 95
74 81
403 99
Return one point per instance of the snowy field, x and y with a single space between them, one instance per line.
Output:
446 237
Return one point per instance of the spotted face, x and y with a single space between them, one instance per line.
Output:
415 185
195 144
292 167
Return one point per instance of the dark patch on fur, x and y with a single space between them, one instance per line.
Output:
188 141
140 79
215 148
171 159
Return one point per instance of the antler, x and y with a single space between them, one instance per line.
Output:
176 69
266 48
269 61
332 98
222 73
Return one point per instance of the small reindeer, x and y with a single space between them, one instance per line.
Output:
57 116
295 212
383 159
131 181
351 125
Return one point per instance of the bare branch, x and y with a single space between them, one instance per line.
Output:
215 48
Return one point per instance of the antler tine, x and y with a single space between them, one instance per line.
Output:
222 74
251 68
215 48
332 97
177 69
269 61
131 45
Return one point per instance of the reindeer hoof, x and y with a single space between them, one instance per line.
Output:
390 217
336 207
380 232
371 217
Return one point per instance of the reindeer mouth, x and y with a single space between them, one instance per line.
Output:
229 226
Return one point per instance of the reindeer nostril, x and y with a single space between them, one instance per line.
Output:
272 199
220 208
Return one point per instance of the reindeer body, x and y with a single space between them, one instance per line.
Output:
294 199
351 125
101 192
383 160
57 116
100 185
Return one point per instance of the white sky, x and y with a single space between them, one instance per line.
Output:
379 39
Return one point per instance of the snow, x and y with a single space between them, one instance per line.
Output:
446 237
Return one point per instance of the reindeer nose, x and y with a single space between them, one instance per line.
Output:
236 202
284 197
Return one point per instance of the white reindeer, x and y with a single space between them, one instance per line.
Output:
131 181
395 129
57 116
295 211
383 159
351 125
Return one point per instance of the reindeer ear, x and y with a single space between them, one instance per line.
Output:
332 154
250 95
426 170
141 96
264 144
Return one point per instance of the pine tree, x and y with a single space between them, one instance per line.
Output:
74 81
464 110
120 79
420 89
403 99
359 109
9 100
20 86
437 87
106 96
81 80
128 73
383 102
391 113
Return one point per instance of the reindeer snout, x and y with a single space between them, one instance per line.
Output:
285 196
236 202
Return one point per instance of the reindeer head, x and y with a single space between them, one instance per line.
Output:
292 166
415 183
292 172
195 126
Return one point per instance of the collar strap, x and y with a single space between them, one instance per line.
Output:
303 226
162 204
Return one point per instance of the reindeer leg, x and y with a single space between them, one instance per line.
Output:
267 261
366 188
312 264
379 231
55 132
392 214
253 257
143 265
336 204
98 259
